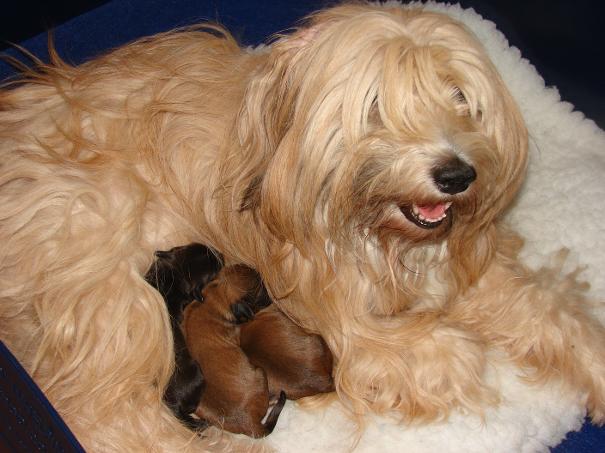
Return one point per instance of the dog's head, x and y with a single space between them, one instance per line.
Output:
380 130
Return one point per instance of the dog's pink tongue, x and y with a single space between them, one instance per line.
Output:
432 211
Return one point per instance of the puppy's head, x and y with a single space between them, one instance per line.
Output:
385 132
180 270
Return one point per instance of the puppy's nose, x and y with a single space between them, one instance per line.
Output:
454 176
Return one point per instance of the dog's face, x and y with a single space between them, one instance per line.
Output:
388 129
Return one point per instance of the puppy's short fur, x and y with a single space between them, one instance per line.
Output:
236 396
179 275
295 361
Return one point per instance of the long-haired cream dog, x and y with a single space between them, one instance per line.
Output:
360 164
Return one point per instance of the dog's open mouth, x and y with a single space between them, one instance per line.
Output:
426 216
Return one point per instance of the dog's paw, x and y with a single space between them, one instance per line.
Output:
597 414
596 396
422 376
242 312
448 369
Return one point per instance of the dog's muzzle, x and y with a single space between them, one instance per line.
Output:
455 176
451 178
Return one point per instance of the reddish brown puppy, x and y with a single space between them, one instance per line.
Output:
294 360
236 396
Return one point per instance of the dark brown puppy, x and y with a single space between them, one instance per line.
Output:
179 275
294 360
236 396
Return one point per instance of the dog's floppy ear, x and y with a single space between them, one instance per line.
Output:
251 197
261 124
268 109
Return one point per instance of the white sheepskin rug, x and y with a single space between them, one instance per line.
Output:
560 206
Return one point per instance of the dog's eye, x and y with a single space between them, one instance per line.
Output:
460 102
459 96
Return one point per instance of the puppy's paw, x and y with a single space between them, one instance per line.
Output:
242 312
272 416
196 292
194 423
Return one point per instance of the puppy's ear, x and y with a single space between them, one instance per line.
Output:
163 254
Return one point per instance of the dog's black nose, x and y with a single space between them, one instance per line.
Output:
454 176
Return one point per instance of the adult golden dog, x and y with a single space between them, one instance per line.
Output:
360 164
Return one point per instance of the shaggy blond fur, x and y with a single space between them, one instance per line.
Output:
294 161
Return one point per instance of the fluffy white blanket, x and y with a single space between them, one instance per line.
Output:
560 206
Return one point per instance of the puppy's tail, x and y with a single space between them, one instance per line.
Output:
271 419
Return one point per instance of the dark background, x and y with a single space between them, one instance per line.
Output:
563 39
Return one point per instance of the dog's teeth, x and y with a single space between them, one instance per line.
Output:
417 213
